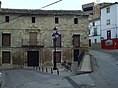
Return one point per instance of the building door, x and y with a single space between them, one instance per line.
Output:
6 57
58 56
33 58
33 38
109 34
76 53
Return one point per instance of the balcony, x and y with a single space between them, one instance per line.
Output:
32 43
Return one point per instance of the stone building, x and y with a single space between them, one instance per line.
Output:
26 36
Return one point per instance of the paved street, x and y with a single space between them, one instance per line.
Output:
33 79
105 73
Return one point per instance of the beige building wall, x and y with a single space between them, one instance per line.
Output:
20 27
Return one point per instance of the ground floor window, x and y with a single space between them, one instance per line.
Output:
6 56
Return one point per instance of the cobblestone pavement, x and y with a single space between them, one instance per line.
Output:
33 79
105 74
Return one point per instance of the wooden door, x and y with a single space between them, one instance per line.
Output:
33 38
33 58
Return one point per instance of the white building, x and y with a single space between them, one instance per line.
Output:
109 25
94 31
109 21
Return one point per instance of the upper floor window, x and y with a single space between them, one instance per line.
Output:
108 9
6 18
93 23
75 20
33 19
108 22
32 38
88 8
58 41
56 20
95 31
6 39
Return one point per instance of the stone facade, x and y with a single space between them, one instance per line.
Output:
20 25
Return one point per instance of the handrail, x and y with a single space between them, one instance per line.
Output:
80 57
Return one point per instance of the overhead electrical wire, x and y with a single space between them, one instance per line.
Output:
50 4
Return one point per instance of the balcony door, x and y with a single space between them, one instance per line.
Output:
33 38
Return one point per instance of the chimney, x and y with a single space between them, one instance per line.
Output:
0 5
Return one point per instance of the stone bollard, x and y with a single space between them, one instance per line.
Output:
42 69
0 79
57 71
51 71
39 68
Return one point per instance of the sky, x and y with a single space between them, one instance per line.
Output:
37 4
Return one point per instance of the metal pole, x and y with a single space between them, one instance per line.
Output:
55 66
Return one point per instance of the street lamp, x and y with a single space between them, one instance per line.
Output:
55 35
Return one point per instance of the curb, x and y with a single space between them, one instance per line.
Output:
2 83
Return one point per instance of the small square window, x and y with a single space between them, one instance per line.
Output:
33 19
108 10
75 20
56 20
6 18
